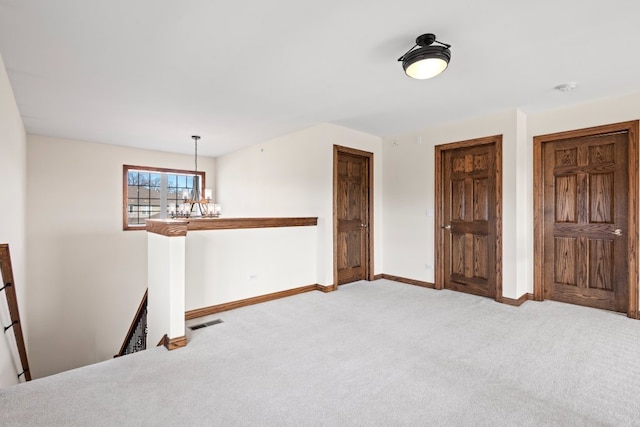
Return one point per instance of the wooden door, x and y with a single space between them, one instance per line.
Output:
469 217
352 215
586 191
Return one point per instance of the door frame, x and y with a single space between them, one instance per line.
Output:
337 149
439 231
631 128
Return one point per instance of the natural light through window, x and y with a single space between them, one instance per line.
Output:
148 192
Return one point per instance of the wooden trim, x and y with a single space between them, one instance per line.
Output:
517 302
164 170
167 227
631 127
495 140
408 281
134 322
325 289
538 220
378 277
205 311
180 227
163 341
175 343
369 156
498 169
371 218
199 224
633 226
334 215
125 198
125 189
8 282
438 220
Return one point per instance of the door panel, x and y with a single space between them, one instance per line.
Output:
585 220
352 216
469 206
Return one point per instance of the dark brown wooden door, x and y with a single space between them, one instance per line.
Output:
585 221
469 219
352 216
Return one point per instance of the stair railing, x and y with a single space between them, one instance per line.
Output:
14 325
136 338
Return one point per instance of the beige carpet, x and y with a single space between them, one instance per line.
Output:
378 353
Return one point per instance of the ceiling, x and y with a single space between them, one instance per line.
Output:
151 73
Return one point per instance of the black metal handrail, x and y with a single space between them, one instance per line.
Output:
136 339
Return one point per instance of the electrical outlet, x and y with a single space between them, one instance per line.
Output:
253 276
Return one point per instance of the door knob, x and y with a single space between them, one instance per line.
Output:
617 232
447 227
363 225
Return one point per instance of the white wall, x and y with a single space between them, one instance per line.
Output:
602 112
409 190
293 176
408 185
13 175
231 265
524 208
87 276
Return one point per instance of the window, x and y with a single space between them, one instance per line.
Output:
148 192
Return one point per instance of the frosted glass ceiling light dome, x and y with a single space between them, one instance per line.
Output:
427 60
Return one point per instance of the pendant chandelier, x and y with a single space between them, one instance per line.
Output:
196 204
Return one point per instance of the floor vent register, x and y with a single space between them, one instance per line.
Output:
205 324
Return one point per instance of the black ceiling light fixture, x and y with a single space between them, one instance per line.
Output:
428 60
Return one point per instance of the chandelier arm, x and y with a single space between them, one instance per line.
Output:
198 205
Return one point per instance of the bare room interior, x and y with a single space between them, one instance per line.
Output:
342 213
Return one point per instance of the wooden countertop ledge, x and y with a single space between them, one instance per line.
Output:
180 227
